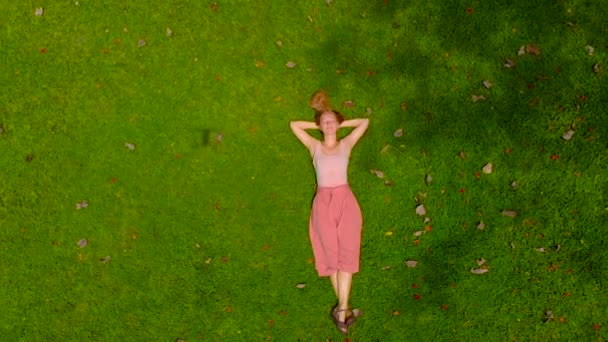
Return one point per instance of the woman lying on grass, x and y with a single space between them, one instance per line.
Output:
335 219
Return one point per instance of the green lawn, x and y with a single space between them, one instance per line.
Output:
171 120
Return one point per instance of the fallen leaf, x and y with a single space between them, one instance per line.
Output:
398 133
82 243
421 210
552 268
428 179
130 146
208 261
213 6
427 220
386 268
590 49
414 286
418 232
82 204
169 32
218 138
462 155
301 285
105 260
479 270
477 174
39 11
416 296
568 134
388 233
141 43
509 213
548 316
444 307
597 68
481 225
403 105
533 49
487 84
378 173
554 156
566 294
469 10
290 64
229 309
396 313
224 259
411 263
509 63
487 169
428 228
514 185
283 312
388 183
596 327
368 110
43 50
29 158
477 98
259 64
522 50
480 261
348 104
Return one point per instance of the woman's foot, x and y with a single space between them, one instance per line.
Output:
341 320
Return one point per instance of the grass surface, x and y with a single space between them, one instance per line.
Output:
207 238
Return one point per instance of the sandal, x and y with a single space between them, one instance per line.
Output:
342 326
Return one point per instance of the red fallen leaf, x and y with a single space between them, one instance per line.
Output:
444 307
43 50
105 51
470 10
229 309
530 85
416 242
596 327
566 294
416 296
477 174
310 260
386 2
370 72
283 312
508 150
265 247
117 41
554 156
113 180
428 228
583 98
461 190
414 286
178 155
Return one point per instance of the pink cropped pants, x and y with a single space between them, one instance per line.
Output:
335 230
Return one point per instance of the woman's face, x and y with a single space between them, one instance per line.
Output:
329 123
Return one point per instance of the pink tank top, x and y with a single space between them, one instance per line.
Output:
331 169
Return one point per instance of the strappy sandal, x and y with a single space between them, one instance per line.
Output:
342 326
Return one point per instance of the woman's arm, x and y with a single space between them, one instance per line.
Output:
360 126
298 128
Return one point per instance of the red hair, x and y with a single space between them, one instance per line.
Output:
320 103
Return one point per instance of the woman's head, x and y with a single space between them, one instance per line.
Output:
323 111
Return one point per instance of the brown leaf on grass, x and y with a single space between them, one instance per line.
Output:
533 49
259 64
378 173
395 313
509 63
597 68
477 98
411 263
568 134
213 6
487 84
479 270
462 155
509 213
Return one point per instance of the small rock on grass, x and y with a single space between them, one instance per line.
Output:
548 316
105 260
428 179
169 32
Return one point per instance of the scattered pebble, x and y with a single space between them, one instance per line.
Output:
81 205
218 138
522 50
29 158
386 268
514 185
462 155
548 316
427 220
368 110
388 183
